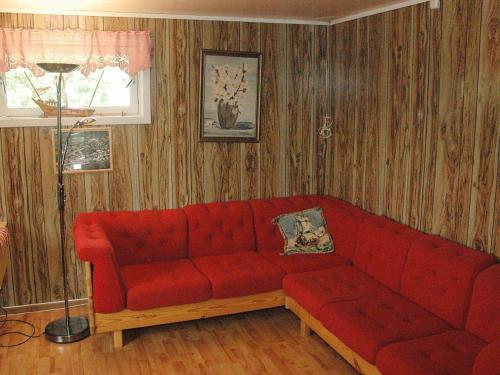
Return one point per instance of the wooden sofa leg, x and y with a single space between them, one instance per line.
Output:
118 339
304 329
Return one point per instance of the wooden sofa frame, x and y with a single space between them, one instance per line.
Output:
127 319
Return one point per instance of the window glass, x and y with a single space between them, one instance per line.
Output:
113 90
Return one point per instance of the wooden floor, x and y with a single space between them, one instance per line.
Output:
263 342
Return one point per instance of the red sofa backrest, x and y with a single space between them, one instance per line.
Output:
143 236
343 221
484 313
219 228
382 249
439 275
265 210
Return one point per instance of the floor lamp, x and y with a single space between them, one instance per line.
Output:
67 329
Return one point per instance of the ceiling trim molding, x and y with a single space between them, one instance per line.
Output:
372 12
165 16
324 22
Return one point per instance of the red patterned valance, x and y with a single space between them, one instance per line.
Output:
128 50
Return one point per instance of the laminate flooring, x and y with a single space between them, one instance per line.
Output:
261 342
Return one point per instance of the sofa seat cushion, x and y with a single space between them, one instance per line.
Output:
313 290
367 324
304 262
239 274
159 284
452 352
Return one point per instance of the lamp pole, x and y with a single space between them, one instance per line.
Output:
67 329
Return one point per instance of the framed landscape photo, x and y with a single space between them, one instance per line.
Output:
230 96
89 150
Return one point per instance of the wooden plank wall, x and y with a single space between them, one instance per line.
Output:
413 94
416 106
164 165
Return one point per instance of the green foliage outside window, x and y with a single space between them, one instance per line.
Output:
111 92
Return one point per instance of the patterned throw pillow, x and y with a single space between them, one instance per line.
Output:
305 232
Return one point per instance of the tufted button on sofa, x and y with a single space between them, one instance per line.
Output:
390 299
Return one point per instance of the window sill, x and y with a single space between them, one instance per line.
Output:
23 122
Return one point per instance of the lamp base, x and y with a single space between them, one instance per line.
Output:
78 330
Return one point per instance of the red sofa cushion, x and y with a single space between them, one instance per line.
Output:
343 222
264 211
488 360
240 274
484 312
143 236
439 274
313 290
365 325
304 262
452 352
159 284
220 228
382 249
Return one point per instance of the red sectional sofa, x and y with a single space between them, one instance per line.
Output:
390 299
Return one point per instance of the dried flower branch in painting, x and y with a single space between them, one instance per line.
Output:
229 84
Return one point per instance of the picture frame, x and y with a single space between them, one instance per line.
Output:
230 93
89 150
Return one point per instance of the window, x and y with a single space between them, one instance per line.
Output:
113 77
116 97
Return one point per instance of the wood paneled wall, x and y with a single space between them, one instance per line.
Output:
416 105
413 94
164 165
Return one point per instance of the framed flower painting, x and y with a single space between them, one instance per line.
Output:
230 96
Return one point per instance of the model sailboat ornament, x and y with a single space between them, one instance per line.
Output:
49 107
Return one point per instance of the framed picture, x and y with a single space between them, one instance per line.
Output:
230 96
89 150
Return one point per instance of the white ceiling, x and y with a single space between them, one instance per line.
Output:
292 11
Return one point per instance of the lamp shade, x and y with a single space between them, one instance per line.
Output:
58 68
86 121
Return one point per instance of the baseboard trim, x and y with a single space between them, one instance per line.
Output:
36 307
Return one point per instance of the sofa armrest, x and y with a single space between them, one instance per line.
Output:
488 360
92 245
